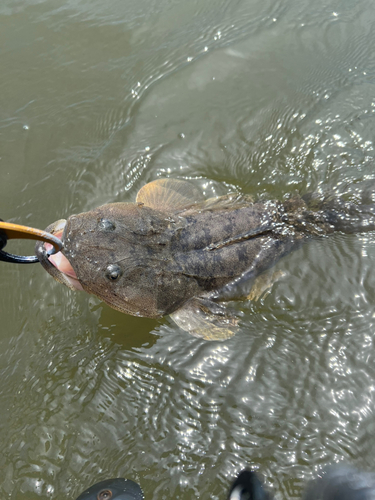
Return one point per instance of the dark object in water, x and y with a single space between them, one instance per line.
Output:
247 486
339 482
172 253
113 489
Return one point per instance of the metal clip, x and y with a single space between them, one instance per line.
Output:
10 231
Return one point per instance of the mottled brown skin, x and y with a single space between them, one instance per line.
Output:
167 258
154 260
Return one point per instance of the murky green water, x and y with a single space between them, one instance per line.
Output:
96 99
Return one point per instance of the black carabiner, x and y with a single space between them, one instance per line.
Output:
13 231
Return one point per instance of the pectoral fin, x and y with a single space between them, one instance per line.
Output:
202 317
263 283
168 194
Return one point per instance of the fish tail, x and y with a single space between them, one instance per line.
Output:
347 217
313 215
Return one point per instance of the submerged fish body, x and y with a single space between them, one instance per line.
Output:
173 253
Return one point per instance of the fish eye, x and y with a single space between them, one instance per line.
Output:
104 495
113 272
107 225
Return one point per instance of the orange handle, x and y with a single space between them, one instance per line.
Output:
16 231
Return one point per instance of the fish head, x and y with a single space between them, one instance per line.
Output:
107 252
113 489
121 252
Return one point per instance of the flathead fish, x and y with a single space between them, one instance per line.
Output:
174 253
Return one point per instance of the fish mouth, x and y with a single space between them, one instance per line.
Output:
57 265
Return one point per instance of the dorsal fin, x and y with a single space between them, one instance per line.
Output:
168 194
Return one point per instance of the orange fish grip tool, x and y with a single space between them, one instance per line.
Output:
10 231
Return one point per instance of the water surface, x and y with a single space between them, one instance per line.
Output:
261 97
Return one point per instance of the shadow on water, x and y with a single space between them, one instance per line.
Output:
127 331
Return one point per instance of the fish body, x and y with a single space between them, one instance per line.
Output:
163 260
172 253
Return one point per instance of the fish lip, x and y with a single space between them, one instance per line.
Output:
40 248
43 257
